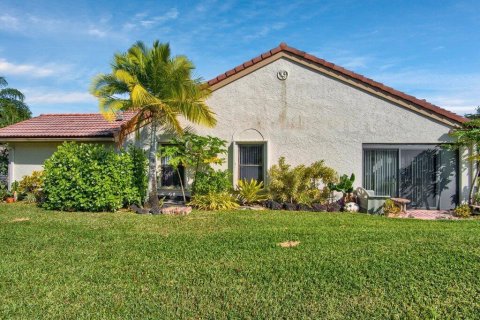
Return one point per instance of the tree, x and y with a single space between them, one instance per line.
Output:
12 106
473 116
468 136
195 152
161 89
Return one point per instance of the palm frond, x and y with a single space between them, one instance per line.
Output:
12 94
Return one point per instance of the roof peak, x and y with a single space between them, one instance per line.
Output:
283 47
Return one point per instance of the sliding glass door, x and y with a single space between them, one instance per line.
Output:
426 175
381 171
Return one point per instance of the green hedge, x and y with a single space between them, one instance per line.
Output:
91 177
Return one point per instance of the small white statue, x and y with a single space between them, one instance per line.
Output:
351 207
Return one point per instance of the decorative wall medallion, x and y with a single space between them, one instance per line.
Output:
282 75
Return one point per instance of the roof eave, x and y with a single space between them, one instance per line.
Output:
57 139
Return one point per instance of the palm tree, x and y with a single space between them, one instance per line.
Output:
161 89
12 106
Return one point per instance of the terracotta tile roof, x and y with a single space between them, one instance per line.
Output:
283 47
70 125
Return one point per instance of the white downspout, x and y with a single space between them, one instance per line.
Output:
11 166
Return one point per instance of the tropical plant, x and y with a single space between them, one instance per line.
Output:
89 177
12 106
250 192
463 211
213 181
301 184
345 186
160 88
214 201
197 153
32 184
390 208
467 135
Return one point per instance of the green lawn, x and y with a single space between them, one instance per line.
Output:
228 265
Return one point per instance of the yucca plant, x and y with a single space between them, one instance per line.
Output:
214 201
250 192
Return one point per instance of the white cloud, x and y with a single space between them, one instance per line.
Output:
265 30
353 62
10 68
95 31
58 97
143 20
8 22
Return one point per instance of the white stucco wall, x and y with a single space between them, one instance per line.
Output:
311 116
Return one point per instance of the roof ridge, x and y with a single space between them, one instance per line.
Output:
345 72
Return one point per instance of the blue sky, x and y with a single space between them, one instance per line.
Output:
51 49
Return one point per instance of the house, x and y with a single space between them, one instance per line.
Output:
289 103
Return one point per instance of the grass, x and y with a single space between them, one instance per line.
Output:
229 265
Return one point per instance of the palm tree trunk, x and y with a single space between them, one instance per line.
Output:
152 170
195 174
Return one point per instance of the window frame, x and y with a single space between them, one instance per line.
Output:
264 152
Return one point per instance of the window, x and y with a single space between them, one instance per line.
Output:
170 176
251 161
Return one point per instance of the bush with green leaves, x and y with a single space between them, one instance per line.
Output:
3 191
301 184
3 160
214 201
89 177
213 181
140 171
250 192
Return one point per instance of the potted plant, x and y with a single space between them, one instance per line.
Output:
9 197
345 186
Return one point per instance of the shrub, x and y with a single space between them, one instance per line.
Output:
89 177
301 184
212 182
3 160
3 191
389 207
250 192
32 184
140 171
463 211
214 201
